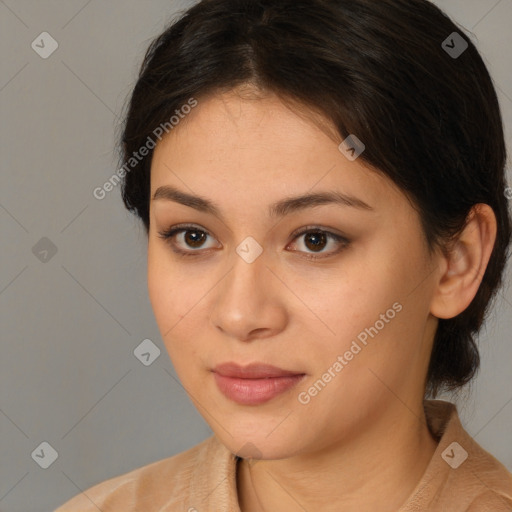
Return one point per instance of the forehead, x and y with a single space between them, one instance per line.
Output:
258 149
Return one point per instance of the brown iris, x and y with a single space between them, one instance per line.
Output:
196 240
317 240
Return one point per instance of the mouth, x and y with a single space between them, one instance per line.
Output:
254 384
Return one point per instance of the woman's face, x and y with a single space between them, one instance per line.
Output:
352 329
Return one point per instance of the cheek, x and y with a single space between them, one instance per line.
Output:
177 300
368 303
160 281
170 291
351 299
169 315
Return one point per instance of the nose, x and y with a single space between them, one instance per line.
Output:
250 302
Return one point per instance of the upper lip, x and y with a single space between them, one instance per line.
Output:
252 371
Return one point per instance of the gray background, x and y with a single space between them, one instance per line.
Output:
71 321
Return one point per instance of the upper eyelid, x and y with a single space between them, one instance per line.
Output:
297 232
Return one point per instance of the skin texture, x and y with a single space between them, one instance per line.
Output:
361 443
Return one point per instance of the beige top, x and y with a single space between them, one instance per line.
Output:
461 476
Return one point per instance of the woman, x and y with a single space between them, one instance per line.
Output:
322 185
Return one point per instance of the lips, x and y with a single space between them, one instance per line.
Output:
254 384
252 371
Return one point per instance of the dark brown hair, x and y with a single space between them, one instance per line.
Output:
430 120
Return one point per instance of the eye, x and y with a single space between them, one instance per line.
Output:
316 240
189 240
190 236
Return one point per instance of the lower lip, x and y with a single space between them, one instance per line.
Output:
255 391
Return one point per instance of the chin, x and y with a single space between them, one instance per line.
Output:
254 441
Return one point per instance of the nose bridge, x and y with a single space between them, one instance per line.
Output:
244 301
247 279
248 262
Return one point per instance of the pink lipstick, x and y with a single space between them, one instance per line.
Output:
255 383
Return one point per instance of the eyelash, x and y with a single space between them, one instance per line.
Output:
173 231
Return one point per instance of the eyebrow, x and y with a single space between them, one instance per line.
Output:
277 209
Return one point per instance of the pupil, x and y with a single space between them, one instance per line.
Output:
318 240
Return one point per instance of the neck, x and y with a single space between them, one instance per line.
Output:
376 469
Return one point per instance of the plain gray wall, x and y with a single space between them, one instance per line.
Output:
70 324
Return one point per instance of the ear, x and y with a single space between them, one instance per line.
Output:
463 266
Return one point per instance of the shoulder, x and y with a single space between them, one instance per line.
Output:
477 472
160 483
491 501
462 476
493 476
487 480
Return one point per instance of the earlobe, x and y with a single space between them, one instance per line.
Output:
463 265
